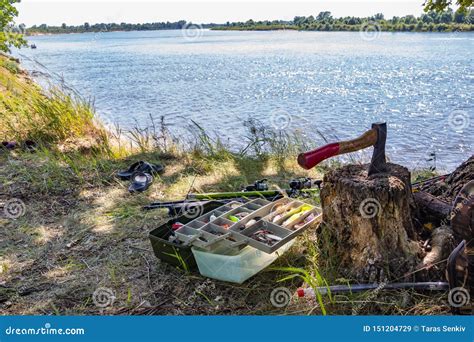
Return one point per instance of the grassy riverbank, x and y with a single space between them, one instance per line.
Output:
82 230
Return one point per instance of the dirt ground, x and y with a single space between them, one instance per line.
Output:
83 234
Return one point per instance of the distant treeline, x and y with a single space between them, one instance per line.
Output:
103 27
324 21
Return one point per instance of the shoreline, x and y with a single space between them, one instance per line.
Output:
40 34
248 29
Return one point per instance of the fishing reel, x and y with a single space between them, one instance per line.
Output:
304 183
301 183
260 185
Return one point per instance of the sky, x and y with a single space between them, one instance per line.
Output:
75 12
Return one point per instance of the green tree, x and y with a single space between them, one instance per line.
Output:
410 19
324 16
442 5
426 18
10 35
379 16
447 16
299 20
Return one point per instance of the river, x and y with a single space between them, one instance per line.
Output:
336 83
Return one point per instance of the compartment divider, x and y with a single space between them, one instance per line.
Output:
213 236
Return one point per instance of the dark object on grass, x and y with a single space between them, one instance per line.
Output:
27 145
375 137
260 185
302 183
30 146
9 145
141 181
318 183
140 166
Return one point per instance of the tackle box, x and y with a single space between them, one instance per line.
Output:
173 253
263 225
236 268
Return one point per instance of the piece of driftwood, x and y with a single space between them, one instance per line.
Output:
441 243
369 222
433 264
431 208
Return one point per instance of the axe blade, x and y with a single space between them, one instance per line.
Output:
379 162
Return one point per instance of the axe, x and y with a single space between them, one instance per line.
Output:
375 137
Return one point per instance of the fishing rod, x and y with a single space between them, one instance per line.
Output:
249 194
416 185
421 286
297 187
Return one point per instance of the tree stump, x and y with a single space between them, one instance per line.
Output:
369 222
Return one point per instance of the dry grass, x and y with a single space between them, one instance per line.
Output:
88 232
82 230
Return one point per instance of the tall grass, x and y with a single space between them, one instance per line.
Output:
59 115
29 113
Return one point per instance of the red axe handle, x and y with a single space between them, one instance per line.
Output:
312 158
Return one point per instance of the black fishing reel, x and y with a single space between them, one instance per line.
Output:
304 183
260 185
301 183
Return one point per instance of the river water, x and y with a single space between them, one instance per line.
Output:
336 83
